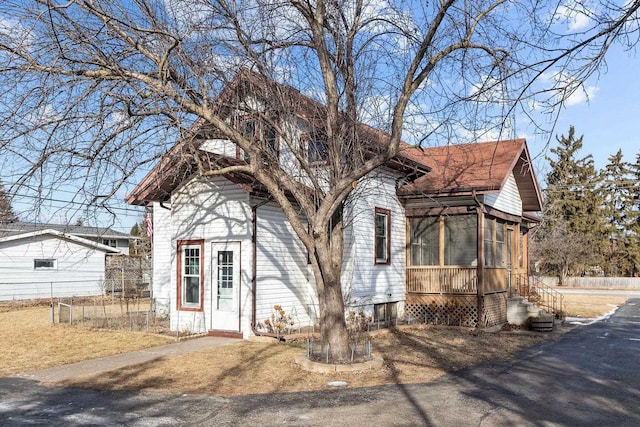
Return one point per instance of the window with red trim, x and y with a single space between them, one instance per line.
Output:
190 274
382 240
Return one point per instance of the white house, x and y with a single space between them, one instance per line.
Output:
103 235
49 263
224 253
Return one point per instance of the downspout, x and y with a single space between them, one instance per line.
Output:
480 251
254 268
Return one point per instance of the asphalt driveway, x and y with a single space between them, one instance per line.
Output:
590 376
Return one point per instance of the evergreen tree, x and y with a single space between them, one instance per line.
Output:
571 237
633 247
618 194
6 210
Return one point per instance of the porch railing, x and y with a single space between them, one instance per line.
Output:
537 293
445 280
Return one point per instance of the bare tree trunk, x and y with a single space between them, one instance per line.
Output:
327 266
333 327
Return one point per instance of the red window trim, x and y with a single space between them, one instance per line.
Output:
179 245
386 212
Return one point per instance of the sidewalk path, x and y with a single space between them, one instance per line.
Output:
110 363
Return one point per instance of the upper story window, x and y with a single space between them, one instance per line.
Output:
255 130
316 149
247 127
382 243
271 138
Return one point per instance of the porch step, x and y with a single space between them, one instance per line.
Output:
224 334
519 310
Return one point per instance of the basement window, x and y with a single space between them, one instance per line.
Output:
386 312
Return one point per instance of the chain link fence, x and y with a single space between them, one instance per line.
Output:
128 276
122 313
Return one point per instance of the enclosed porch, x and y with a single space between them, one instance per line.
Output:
461 267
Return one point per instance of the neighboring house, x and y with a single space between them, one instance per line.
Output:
102 235
224 254
49 263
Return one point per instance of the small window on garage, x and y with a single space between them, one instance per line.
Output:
45 264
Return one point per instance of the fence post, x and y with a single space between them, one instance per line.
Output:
53 320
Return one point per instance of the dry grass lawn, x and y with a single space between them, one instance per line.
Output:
414 354
590 305
30 342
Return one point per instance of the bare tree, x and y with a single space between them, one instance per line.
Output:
93 90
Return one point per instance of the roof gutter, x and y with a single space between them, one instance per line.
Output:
254 269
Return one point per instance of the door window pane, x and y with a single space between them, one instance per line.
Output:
225 280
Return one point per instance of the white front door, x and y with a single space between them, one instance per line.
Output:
225 286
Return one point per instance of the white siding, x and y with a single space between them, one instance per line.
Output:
215 210
283 276
162 258
365 282
508 200
220 146
79 269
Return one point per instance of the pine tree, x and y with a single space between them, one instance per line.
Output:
571 236
633 247
6 210
618 195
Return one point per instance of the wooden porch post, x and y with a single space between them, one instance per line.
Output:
480 287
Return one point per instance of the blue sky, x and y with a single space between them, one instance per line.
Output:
606 117
608 120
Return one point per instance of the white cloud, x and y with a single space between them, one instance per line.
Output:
13 33
574 14
568 90
581 95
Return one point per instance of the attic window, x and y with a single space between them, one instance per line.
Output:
247 127
255 130
45 264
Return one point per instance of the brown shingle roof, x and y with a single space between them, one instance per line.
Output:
480 167
175 167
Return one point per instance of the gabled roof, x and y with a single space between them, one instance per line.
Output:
480 168
175 167
59 235
14 228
